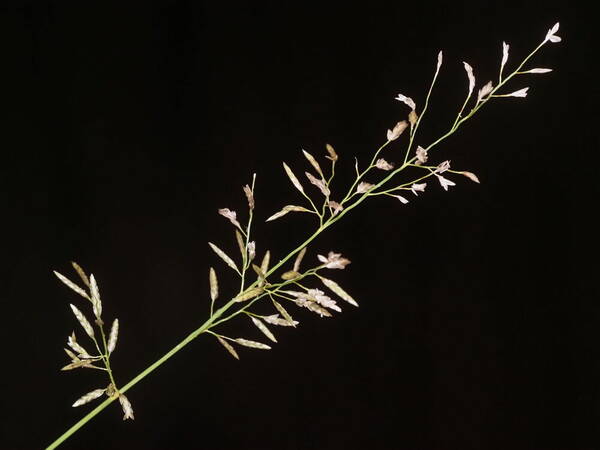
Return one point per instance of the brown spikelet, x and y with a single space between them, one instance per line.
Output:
81 273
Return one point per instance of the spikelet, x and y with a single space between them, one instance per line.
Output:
298 260
221 254
72 342
72 285
336 289
313 162
484 91
332 154
214 284
113 336
81 273
228 347
70 354
79 364
240 243
274 319
264 265
471 176
293 178
318 183
89 397
263 328
249 196
83 321
284 313
287 209
471 77
252 344
96 302
249 294
126 406
290 275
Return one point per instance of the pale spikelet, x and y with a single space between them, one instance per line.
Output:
221 254
86 363
231 215
407 101
402 199
519 93
284 313
96 301
274 319
89 397
471 176
249 196
240 242
319 297
332 154
290 275
252 344
264 265
441 168
471 77
81 273
214 284
72 342
412 118
484 91
259 272
314 307
298 260
551 35
313 162
83 321
251 250
71 355
363 187
263 328
383 164
293 178
421 155
334 260
307 301
416 187
249 294
538 70
286 209
445 182
126 406
335 206
336 289
72 285
505 48
113 336
228 347
395 133
318 183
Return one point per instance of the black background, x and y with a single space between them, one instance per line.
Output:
128 125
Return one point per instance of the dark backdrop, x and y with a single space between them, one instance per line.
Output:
128 125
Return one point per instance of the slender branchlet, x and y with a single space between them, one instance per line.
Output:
282 286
